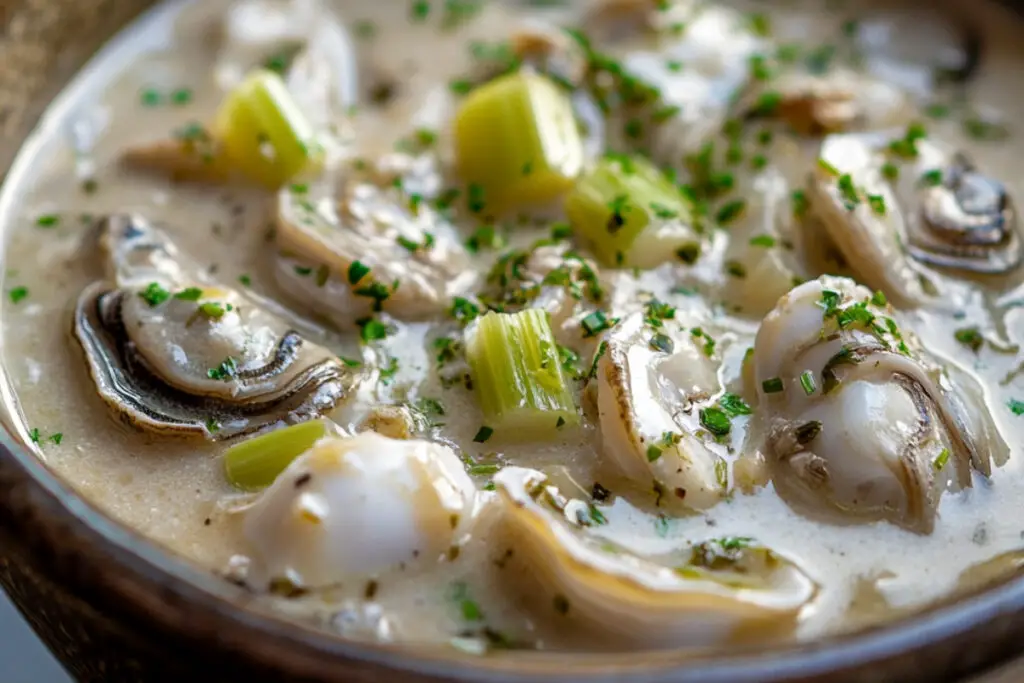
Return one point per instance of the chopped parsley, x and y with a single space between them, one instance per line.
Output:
225 371
877 203
807 382
371 329
689 253
800 203
730 211
970 337
464 310
735 269
213 310
356 272
932 178
596 322
1016 407
734 405
189 294
847 191
17 294
715 421
709 343
154 294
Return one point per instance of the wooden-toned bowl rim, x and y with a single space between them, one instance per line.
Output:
134 582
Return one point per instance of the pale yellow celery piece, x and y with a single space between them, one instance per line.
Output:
255 463
517 143
613 204
522 388
264 133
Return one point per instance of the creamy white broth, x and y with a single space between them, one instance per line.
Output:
174 491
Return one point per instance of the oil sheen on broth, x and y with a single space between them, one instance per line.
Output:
718 435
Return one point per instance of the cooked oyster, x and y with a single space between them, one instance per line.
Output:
764 247
173 355
840 101
725 590
716 46
938 209
653 388
857 421
371 248
358 506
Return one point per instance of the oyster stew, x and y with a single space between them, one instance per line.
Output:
546 325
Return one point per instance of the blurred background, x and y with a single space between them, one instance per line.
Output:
23 659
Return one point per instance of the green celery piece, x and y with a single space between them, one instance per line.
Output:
516 139
255 463
523 390
264 133
613 204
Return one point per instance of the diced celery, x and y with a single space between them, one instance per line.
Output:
517 142
255 463
523 390
612 206
264 133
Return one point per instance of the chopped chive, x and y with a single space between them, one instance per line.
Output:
483 434
970 337
596 323
800 203
878 298
734 405
225 371
730 211
49 220
190 294
1016 407
17 294
762 241
715 421
154 294
735 269
653 453
807 382
772 385
356 272
932 178
940 460
371 329
877 203
828 168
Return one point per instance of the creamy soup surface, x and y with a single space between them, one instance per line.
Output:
627 324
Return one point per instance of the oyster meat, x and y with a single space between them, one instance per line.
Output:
653 387
723 591
171 354
356 507
351 246
858 423
902 200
